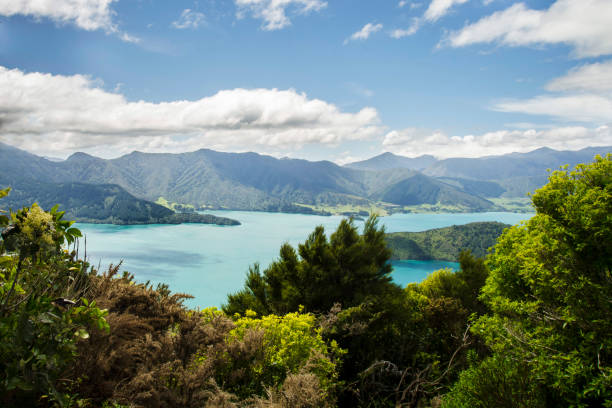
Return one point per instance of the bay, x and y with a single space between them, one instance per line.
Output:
209 261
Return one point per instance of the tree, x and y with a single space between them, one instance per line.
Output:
346 269
550 290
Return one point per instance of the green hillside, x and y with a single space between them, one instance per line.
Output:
445 244
99 203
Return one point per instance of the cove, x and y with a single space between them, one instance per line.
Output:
209 261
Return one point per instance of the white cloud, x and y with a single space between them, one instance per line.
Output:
413 5
582 108
53 113
346 157
128 38
400 32
438 8
584 25
365 32
414 142
88 15
274 12
584 94
596 78
189 19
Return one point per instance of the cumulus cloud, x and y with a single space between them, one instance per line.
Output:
365 32
436 10
584 94
189 19
583 25
88 15
274 12
414 142
55 113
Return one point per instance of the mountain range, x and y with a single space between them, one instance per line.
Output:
510 175
249 181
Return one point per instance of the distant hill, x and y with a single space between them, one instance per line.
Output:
478 188
388 161
97 203
514 165
241 181
445 244
509 175
420 189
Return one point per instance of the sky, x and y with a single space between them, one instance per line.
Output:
339 80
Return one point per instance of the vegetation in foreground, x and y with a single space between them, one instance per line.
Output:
324 325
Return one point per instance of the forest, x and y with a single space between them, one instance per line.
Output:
527 325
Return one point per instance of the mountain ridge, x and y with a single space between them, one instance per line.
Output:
242 181
250 181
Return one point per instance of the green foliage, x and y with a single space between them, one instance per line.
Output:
4 220
445 243
347 268
38 328
159 354
291 344
550 288
497 381
407 346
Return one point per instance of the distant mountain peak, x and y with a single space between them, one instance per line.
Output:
544 149
387 154
80 156
388 161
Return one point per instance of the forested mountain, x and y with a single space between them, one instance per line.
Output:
245 181
445 244
98 203
387 161
250 181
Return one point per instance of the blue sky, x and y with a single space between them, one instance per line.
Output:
336 80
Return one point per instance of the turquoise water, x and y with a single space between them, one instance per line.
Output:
209 261
405 272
